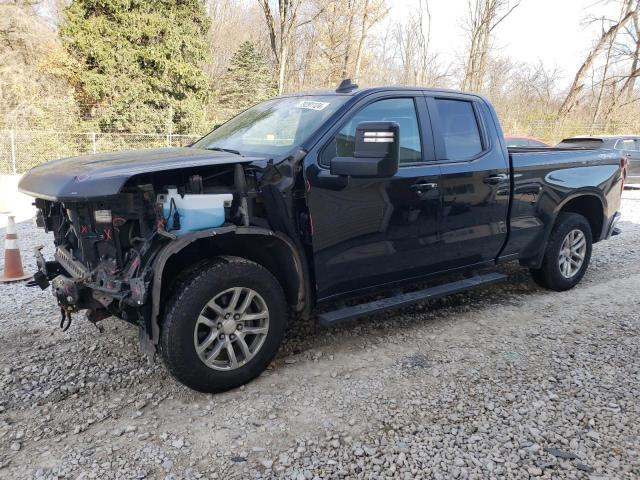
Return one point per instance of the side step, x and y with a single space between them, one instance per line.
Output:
377 306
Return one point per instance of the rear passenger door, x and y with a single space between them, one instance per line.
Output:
474 180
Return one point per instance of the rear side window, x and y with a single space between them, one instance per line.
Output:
459 127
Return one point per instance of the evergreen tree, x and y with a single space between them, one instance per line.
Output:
248 80
140 60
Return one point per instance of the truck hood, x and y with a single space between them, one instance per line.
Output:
104 174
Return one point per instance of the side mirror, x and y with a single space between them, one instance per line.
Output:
376 155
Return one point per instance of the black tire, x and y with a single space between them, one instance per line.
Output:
549 274
177 347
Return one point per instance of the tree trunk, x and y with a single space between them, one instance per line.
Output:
271 27
347 53
603 84
282 68
630 83
363 38
288 13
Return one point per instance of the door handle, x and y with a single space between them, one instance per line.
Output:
423 187
496 179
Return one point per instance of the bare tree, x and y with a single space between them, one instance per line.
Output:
332 32
634 33
424 42
347 51
521 92
482 19
335 38
606 38
372 12
280 33
420 64
622 57
603 83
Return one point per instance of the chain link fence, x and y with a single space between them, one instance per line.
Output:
21 150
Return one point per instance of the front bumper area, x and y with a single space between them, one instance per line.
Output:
76 288
68 282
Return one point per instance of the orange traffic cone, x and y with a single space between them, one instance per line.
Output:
12 262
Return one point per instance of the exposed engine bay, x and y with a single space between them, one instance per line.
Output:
105 248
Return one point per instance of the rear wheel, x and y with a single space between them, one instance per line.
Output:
567 254
224 325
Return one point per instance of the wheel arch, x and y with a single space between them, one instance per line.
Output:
588 203
273 250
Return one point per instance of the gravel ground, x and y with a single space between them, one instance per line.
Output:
508 381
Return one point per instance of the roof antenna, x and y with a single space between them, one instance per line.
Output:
346 86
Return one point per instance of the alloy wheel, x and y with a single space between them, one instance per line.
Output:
572 253
231 328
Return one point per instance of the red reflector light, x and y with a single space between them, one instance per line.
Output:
624 161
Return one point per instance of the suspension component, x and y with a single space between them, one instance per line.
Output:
65 321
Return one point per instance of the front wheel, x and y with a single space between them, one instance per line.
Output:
224 325
567 254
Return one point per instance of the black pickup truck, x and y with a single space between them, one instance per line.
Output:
312 199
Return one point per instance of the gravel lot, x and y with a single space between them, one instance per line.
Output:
508 381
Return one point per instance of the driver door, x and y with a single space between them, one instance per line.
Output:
376 231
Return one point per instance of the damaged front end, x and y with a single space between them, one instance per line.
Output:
104 251
105 245
110 249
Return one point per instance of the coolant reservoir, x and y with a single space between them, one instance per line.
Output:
196 211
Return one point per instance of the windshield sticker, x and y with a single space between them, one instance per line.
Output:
311 105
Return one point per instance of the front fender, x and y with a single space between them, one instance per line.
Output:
182 242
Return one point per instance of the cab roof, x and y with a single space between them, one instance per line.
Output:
354 90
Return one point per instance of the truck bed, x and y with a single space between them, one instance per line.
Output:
544 177
532 159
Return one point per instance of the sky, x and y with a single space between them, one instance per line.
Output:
554 31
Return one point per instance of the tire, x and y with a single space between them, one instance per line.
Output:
197 314
551 275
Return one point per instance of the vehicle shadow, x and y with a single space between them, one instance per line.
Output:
306 335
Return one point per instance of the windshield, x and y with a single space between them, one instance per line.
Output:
273 127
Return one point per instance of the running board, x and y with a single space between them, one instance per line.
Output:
377 306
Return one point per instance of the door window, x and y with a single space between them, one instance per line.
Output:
628 144
459 127
399 110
